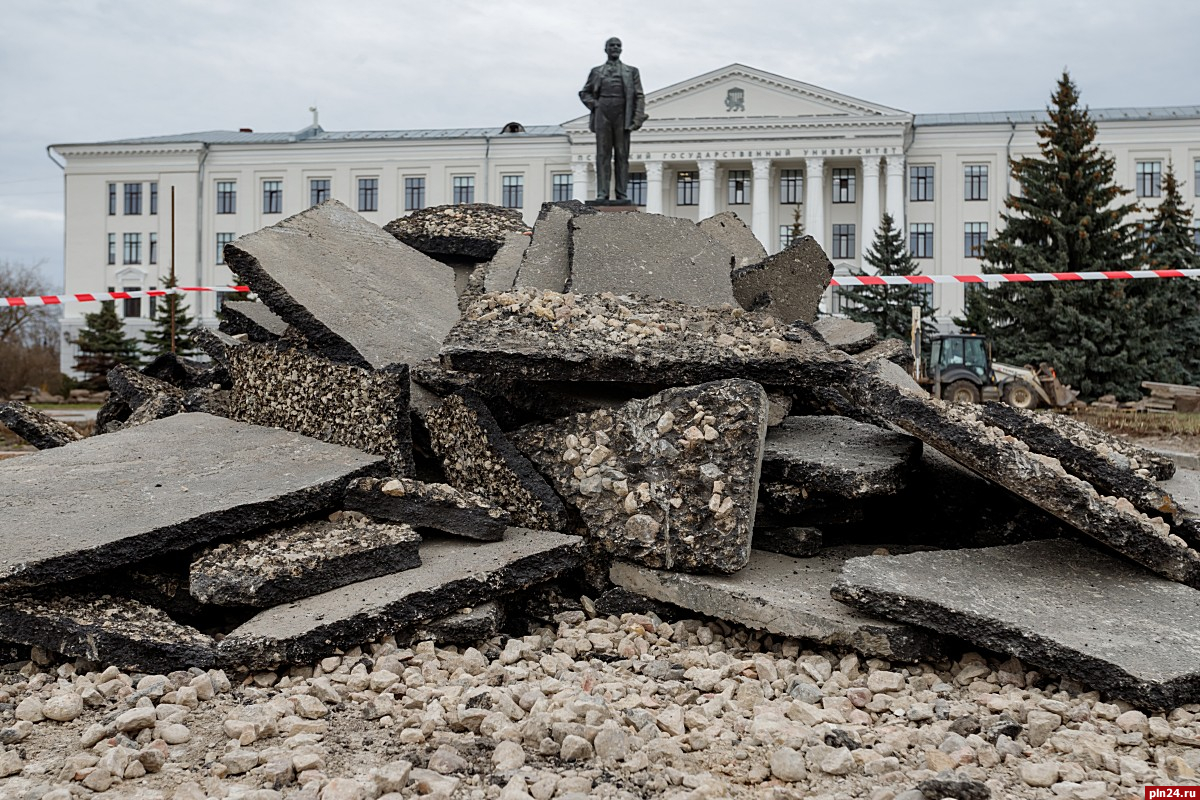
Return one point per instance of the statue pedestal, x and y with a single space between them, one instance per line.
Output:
610 205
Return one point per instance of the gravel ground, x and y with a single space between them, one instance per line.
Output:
610 707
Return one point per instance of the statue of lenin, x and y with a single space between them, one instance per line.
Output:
613 93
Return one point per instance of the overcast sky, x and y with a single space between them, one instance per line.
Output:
91 70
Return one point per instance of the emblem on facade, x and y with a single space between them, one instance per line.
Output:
735 100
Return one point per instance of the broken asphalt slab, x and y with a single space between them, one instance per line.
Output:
1055 603
297 561
728 230
786 596
453 574
168 485
787 285
547 262
40 430
473 231
670 481
651 254
353 291
547 336
428 505
253 320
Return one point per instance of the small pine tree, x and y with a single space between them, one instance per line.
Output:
158 339
797 224
890 307
102 345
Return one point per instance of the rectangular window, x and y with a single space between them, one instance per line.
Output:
464 189
975 180
560 187
843 241
920 184
112 199
226 197
318 191
153 304
974 235
1196 239
637 188
414 194
786 236
687 189
739 187
222 240
153 255
1149 179
133 198
1196 179
112 248
272 197
512 191
920 240
843 185
368 194
154 197
132 305
133 248
791 186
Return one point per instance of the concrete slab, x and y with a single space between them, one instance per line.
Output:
846 334
547 262
651 254
787 285
297 561
500 274
786 596
473 231
836 456
356 294
40 430
670 481
169 485
453 574
478 457
123 633
1058 604
252 319
428 505
546 336
728 230
284 387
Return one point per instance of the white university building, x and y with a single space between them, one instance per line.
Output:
736 139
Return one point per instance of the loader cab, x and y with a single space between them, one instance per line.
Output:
960 367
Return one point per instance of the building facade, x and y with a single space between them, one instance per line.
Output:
775 151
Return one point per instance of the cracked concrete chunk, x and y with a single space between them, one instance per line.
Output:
301 560
728 230
547 336
1056 603
835 456
670 481
786 596
354 292
547 262
168 485
40 430
650 254
477 457
453 574
787 285
280 386
472 231
428 505
465 626
124 633
846 334
500 274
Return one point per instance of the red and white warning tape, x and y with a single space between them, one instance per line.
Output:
95 297
842 280
1010 277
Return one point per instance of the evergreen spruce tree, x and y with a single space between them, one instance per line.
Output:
158 339
1068 218
890 307
102 345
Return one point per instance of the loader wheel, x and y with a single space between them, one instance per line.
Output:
1020 394
961 392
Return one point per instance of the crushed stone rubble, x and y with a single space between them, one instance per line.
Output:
351 555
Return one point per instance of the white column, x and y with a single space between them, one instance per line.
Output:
708 188
895 192
814 199
579 180
654 187
870 202
761 198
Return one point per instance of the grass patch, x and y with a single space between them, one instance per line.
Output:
66 406
1140 422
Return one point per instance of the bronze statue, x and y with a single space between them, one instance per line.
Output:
613 93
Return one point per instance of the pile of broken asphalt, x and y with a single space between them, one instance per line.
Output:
627 406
